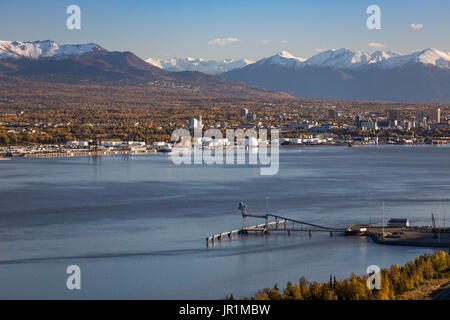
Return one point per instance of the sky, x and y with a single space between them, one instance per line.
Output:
219 29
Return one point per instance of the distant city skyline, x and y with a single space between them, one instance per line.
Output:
231 29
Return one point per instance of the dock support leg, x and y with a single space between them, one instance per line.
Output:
207 242
310 233
230 235
331 234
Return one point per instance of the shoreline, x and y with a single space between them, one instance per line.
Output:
76 153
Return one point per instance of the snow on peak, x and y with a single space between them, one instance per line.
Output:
431 56
335 58
434 57
347 59
381 56
43 49
283 58
198 64
288 55
340 58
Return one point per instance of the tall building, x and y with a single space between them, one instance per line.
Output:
421 116
393 115
435 115
196 122
244 112
357 121
331 113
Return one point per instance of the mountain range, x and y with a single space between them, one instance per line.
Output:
339 59
333 74
199 64
348 75
342 74
48 61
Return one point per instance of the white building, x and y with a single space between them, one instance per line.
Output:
369 125
297 140
111 144
398 223
196 122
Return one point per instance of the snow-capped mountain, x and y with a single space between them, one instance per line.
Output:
283 58
343 59
38 62
340 59
43 49
349 75
431 57
199 64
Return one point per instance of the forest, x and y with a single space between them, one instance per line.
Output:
394 282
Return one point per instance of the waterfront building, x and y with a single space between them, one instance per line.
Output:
398 223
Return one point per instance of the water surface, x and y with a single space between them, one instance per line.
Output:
136 225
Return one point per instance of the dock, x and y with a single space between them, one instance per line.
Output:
280 224
398 235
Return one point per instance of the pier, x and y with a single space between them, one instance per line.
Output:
436 236
280 224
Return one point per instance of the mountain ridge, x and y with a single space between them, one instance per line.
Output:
410 82
47 61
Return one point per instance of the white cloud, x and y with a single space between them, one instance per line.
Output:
266 41
284 41
416 26
376 45
223 41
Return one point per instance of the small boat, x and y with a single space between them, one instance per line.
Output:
181 149
355 231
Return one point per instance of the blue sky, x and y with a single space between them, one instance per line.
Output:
261 28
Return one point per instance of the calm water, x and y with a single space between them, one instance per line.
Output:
136 225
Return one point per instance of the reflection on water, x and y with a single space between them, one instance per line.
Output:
136 225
